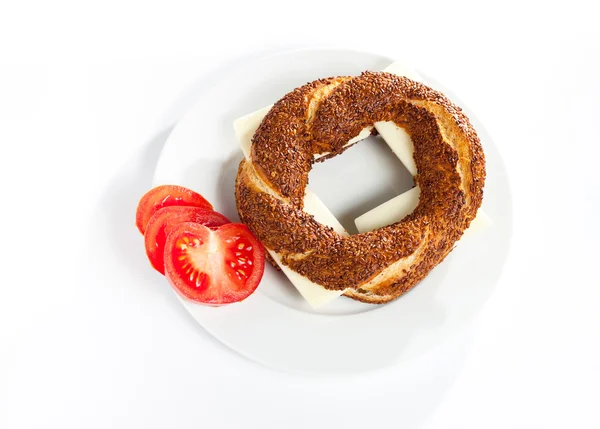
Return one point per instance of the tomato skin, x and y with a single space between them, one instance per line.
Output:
164 220
214 267
165 196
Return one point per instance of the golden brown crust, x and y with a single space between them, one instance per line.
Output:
321 117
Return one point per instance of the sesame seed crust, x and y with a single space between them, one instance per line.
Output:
322 116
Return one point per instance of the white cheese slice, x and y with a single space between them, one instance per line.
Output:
314 206
397 139
397 208
400 142
390 212
246 126
313 293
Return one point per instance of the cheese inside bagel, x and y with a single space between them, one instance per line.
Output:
389 212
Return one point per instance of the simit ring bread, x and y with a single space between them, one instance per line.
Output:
320 118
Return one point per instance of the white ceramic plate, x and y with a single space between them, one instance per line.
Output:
275 326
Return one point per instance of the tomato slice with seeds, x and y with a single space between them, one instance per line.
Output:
165 196
214 267
164 220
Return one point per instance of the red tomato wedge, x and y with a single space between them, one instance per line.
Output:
214 267
165 196
163 221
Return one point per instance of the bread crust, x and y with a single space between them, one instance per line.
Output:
322 116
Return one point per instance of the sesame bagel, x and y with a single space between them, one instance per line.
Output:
320 118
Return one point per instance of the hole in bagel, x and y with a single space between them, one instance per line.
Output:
361 178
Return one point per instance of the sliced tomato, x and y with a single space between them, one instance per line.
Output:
163 221
214 267
165 196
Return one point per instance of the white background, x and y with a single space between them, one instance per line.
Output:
88 94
